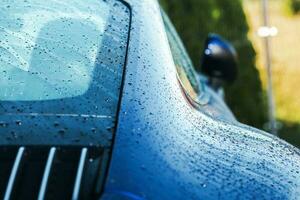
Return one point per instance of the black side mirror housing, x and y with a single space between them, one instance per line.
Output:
219 60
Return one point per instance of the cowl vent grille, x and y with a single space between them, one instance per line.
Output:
51 172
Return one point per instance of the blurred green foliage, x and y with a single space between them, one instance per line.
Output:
194 19
292 6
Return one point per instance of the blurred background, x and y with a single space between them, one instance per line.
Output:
238 21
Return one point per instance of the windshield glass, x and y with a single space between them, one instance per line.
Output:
48 48
62 56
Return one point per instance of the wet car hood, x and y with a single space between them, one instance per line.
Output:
56 129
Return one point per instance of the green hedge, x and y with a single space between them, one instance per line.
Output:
194 19
294 5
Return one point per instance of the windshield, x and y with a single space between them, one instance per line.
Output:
72 51
48 48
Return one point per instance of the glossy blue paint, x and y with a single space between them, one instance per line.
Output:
164 148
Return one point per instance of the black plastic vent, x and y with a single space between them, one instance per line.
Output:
51 172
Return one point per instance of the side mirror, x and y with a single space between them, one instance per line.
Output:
219 61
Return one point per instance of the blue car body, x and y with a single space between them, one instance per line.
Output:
164 148
158 141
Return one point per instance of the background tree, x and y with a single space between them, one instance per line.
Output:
293 6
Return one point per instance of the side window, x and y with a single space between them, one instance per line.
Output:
184 66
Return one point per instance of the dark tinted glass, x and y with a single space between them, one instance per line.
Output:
62 57
184 66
